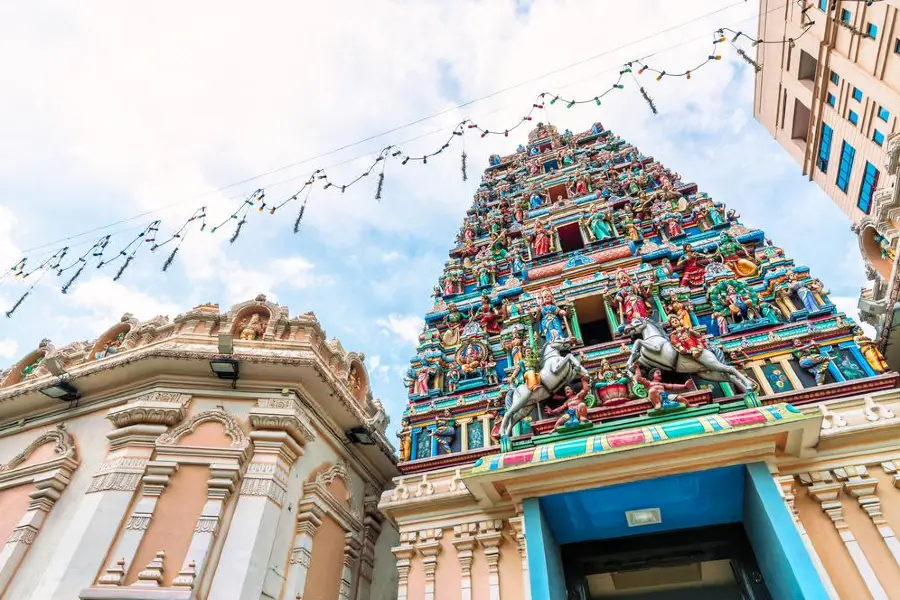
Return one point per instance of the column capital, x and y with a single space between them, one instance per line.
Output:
157 475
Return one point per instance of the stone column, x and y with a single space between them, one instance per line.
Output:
486 429
859 484
49 489
280 430
429 546
490 537
94 525
464 542
786 489
404 553
464 432
826 492
518 529
221 482
308 521
352 546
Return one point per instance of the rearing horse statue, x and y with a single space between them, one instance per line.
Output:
556 371
653 349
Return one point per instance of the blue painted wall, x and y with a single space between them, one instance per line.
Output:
697 499
782 557
545 568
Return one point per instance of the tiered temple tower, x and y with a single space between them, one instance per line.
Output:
580 245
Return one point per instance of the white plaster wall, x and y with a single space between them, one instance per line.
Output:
384 575
89 432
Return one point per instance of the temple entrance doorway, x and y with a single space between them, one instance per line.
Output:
708 563
592 322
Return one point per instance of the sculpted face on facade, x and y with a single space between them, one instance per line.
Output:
629 328
175 485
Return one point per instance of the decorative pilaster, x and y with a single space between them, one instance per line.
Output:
464 542
158 474
429 546
49 489
486 429
859 484
786 489
281 429
308 521
490 536
826 492
890 467
404 553
372 524
222 481
352 546
517 524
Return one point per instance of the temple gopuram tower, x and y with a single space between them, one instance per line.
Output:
622 390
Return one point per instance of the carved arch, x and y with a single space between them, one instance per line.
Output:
14 375
870 249
357 378
126 326
239 439
337 471
63 446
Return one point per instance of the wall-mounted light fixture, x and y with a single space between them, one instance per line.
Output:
360 435
226 368
61 390
643 516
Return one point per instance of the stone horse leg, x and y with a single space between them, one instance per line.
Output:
714 370
521 399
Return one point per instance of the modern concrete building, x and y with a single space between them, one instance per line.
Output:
829 91
207 456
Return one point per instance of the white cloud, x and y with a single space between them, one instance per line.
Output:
405 327
8 348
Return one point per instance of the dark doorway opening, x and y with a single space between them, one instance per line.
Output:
570 237
708 563
592 321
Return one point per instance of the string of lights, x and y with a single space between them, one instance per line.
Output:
395 152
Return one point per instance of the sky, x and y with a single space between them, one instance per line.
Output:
114 111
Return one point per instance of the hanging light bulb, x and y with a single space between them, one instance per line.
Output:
687 74
597 100
642 69
571 104
555 98
661 75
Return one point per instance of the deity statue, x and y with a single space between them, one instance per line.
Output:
659 393
870 351
445 431
509 309
670 226
550 325
453 320
353 381
686 340
111 347
576 411
579 187
438 294
496 409
471 361
405 435
540 239
731 251
423 377
30 370
453 377
489 317
811 359
536 200
718 324
804 291
253 327
484 272
693 267
630 298
612 386
630 225
598 224
711 214
664 271
740 305
884 247
681 313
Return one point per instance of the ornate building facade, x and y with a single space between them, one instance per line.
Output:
622 390
234 454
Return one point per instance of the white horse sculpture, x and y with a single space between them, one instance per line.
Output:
556 371
653 349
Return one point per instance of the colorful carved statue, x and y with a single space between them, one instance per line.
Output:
804 290
471 360
681 313
735 256
576 411
445 431
661 394
405 435
423 379
550 325
111 347
489 317
630 299
252 328
30 370
718 324
540 239
598 224
740 305
811 359
693 266
630 225
353 381
870 351
612 387
884 246
685 339
453 321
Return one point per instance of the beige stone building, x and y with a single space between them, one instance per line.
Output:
227 455
830 94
